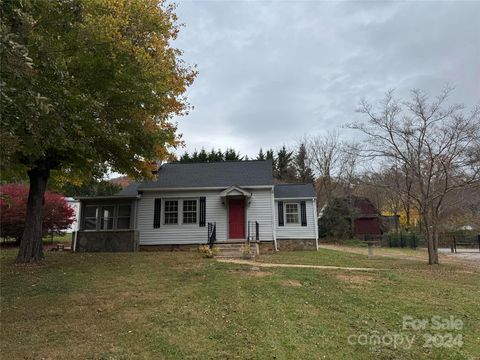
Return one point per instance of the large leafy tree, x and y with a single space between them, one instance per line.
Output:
91 187
87 86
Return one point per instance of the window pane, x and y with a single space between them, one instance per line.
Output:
189 211
107 211
90 223
171 212
107 223
171 205
291 213
292 218
124 210
190 205
171 218
91 211
123 223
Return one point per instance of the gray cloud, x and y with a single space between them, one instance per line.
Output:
271 72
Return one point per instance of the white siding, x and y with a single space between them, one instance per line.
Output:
259 209
297 231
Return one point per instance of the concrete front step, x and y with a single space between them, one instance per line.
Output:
233 250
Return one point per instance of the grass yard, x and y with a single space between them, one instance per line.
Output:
179 306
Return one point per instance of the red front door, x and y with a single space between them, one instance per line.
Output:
236 218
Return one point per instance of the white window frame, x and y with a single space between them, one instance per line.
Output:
172 212
291 213
196 212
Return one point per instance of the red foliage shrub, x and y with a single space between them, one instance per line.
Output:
57 215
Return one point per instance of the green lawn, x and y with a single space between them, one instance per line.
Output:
178 305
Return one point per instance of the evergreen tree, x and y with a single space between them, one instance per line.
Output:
284 169
232 155
304 172
194 157
270 155
212 156
202 156
261 155
185 158
220 156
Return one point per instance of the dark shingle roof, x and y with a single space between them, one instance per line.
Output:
215 174
294 191
130 190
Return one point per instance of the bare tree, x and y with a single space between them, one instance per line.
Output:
324 152
437 144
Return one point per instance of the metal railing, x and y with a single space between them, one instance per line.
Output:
253 230
212 234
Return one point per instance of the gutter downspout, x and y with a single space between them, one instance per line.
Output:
79 225
74 247
274 223
135 222
316 221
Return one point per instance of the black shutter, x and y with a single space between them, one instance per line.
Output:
303 213
203 211
280 213
157 213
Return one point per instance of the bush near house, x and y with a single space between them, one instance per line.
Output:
57 215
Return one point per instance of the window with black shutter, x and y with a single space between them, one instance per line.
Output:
157 212
203 211
280 213
303 213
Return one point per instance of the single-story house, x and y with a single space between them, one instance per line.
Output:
191 203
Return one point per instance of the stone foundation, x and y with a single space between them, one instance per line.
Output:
170 247
107 241
296 244
265 247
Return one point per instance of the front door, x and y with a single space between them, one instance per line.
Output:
236 218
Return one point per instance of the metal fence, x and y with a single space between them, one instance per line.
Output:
401 240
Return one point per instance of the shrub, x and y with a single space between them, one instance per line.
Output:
208 252
57 215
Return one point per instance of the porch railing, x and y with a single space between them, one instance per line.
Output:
212 234
253 230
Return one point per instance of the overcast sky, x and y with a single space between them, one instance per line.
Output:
271 72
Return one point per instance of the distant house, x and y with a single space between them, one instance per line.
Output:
352 216
188 202
75 205
368 220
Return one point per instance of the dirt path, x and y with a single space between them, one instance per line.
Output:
270 265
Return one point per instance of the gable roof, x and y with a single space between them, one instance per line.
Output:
285 191
214 174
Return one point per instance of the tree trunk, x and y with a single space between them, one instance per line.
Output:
431 241
407 215
31 244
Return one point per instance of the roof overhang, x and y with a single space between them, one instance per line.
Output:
113 197
201 188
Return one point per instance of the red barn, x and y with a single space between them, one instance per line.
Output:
368 220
